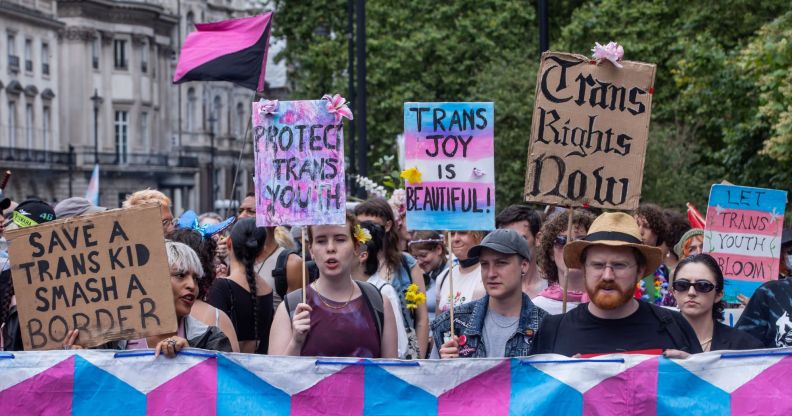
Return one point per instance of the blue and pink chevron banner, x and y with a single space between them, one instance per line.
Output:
199 382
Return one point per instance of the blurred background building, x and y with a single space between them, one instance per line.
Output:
89 81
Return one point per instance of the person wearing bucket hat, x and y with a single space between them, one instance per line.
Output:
613 258
503 322
768 314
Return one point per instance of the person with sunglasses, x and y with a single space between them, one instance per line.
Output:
550 258
698 289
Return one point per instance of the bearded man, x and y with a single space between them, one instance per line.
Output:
613 260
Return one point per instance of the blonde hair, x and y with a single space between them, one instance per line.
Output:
146 196
284 238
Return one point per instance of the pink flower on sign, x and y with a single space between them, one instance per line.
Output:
612 52
267 107
337 105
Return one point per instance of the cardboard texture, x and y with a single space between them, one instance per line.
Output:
743 233
106 274
299 165
451 146
589 132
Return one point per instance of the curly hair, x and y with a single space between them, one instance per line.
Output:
552 229
653 215
677 224
146 196
205 248
710 263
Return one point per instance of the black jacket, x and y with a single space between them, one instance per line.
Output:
725 337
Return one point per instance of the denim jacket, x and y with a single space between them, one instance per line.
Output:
469 325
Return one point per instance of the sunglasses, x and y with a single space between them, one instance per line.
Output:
701 286
562 240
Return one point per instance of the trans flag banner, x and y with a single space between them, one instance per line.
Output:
197 382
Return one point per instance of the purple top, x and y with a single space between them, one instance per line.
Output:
349 331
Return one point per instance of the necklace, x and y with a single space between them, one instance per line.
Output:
322 298
705 345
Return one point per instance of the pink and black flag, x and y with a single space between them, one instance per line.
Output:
230 50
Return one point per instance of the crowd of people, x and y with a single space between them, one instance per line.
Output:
574 282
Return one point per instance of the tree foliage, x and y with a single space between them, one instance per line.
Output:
722 107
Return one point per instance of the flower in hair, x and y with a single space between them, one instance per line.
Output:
411 175
612 52
362 235
337 105
190 220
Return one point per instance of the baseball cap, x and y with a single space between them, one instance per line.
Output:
32 212
503 241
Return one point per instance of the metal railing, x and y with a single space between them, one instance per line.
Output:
33 156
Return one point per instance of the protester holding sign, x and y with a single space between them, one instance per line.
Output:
613 259
246 299
502 323
401 270
550 255
341 317
185 272
698 288
466 274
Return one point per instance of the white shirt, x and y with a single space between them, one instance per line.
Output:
387 291
552 306
467 288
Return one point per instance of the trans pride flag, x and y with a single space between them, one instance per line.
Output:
232 50
92 193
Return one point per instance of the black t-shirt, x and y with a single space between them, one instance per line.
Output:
768 316
579 332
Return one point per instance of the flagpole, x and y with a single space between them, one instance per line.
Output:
242 152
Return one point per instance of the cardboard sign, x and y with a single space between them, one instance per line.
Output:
743 233
451 146
105 274
589 132
299 165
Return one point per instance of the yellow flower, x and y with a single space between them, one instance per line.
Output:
362 235
412 288
409 297
411 306
411 175
420 298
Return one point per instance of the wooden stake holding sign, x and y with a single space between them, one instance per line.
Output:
589 134
450 283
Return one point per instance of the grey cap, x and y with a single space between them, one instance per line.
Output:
503 241
72 207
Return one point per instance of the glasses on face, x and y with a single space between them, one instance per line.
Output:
701 286
618 268
562 240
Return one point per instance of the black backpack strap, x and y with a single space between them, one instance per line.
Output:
279 273
374 301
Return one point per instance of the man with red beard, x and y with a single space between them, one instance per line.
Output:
613 259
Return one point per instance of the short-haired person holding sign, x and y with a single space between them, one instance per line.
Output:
613 259
502 323
341 317
185 271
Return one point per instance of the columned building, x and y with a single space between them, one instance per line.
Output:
88 82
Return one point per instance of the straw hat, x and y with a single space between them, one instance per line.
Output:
613 229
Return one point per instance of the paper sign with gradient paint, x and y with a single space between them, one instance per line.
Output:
299 164
451 146
743 234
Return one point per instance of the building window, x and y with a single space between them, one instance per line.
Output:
12 124
120 53
29 55
191 99
29 126
144 57
240 124
190 22
13 58
45 68
144 130
121 136
95 49
45 121
215 120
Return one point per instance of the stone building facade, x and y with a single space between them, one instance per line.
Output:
110 100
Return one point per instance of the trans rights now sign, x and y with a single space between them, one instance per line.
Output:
450 166
743 233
